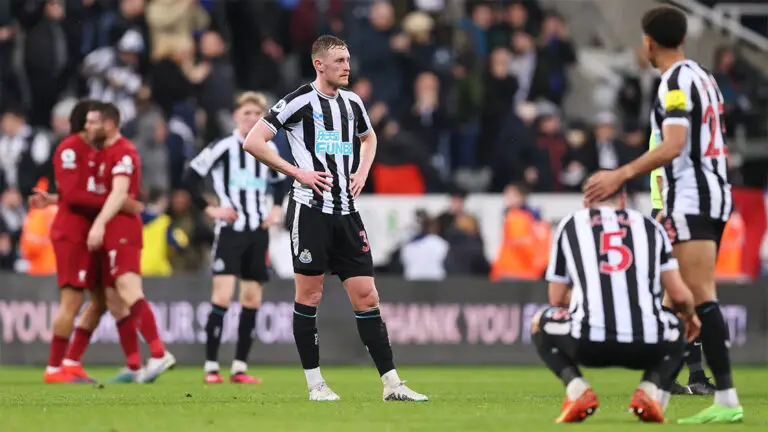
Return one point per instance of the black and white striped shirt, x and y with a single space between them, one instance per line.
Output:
696 182
239 180
613 259
324 133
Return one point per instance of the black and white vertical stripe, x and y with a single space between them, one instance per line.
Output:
609 302
239 180
306 114
696 182
111 80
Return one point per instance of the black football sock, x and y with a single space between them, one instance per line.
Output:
555 359
373 333
245 334
305 335
664 373
213 332
693 361
714 336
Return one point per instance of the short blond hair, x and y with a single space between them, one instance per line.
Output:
325 43
250 97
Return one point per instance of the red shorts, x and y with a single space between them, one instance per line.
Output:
76 266
119 260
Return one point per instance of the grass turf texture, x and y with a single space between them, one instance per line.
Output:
462 399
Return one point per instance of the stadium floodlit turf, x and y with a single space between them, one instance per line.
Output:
462 399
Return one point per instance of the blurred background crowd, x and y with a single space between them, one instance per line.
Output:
466 96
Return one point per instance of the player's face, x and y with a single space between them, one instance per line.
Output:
247 116
335 67
94 127
649 48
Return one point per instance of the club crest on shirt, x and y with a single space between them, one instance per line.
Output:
305 256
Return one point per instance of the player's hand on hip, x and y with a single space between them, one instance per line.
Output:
692 327
319 181
660 217
274 217
601 185
96 237
357 183
226 214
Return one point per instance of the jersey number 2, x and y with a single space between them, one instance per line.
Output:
711 120
624 252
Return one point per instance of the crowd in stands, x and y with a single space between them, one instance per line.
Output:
466 96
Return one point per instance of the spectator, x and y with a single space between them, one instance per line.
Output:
175 76
376 47
194 228
735 100
469 107
217 91
580 160
500 87
474 30
456 207
427 118
514 19
175 19
12 215
556 48
466 255
634 144
423 257
523 253
529 68
638 91
514 151
151 145
35 241
24 153
550 149
161 238
128 17
10 90
60 119
113 73
46 57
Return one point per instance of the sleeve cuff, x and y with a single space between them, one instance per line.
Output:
670 265
682 121
558 279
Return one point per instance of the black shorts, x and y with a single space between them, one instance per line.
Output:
685 227
556 324
241 253
326 243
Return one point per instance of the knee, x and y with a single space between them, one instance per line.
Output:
250 295
117 307
310 297
221 298
368 299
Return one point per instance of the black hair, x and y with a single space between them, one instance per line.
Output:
666 25
154 195
78 115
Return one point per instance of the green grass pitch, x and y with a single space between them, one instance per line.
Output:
462 399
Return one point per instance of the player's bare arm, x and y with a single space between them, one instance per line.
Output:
682 302
256 144
604 183
559 294
41 198
115 201
368 144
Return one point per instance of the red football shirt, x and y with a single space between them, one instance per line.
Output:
74 163
121 159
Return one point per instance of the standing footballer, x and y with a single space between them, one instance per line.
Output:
697 195
333 146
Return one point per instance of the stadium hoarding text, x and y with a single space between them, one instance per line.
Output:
458 321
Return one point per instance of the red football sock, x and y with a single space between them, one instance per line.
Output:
142 312
129 341
79 344
58 350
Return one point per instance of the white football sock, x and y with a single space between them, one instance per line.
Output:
727 398
211 367
68 362
52 369
649 388
662 397
390 379
239 366
314 377
576 388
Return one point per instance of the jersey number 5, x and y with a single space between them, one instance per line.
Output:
711 120
624 252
